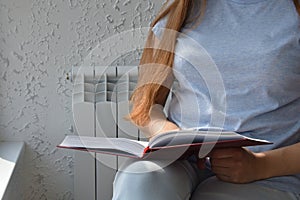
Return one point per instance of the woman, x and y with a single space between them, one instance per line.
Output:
255 49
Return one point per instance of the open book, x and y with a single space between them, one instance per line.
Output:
171 145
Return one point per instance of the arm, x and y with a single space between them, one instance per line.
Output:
280 162
239 165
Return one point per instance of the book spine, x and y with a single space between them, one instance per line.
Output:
147 150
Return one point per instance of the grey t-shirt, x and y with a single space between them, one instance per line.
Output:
239 68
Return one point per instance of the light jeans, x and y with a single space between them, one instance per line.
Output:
181 180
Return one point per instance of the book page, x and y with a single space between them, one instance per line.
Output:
191 136
110 145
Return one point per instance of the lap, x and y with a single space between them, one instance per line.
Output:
181 180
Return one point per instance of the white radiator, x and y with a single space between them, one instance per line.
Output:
100 103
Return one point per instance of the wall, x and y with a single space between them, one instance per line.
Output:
39 42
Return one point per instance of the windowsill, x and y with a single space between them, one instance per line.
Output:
10 153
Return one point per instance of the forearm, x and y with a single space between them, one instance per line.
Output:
279 162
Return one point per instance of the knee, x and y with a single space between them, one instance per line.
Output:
136 174
150 180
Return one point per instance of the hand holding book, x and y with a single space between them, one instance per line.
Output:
158 124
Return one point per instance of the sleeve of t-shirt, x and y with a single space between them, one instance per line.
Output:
159 27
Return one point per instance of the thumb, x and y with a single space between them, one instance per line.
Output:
204 163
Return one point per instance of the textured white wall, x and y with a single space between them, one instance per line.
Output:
39 42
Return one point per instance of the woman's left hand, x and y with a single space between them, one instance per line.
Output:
239 165
235 165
